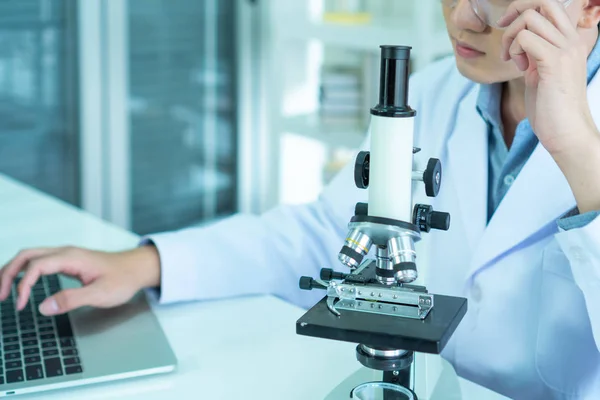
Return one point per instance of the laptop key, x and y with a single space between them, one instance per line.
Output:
31 351
47 336
11 339
39 294
13 364
46 329
74 369
53 367
12 347
34 372
67 342
72 361
32 360
28 327
9 325
12 356
63 326
28 335
9 331
49 345
1 380
69 352
44 321
14 376
30 343
50 353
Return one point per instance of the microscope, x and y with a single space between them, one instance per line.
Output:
374 302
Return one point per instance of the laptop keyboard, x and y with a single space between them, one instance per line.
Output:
34 346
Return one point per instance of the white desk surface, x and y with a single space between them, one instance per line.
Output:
254 355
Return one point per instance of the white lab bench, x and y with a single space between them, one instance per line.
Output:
243 348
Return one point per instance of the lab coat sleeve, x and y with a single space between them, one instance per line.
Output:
267 254
581 246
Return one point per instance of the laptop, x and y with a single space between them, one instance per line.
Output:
83 347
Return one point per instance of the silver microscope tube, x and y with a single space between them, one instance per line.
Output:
355 248
401 250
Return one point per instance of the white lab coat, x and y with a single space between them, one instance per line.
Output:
532 330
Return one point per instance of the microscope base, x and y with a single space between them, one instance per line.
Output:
425 336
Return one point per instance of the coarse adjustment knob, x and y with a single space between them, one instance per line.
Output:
432 177
361 169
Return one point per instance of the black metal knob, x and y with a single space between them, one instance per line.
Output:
427 219
361 209
433 177
328 274
440 221
306 283
361 170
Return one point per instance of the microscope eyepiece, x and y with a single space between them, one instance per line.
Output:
395 52
393 84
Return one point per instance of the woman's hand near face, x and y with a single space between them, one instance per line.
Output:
551 48
109 279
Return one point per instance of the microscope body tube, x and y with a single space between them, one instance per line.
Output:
391 167
392 139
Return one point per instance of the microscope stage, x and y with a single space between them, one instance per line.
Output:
425 336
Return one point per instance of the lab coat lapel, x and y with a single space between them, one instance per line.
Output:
539 195
467 166
537 198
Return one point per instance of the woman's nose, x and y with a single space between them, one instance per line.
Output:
464 18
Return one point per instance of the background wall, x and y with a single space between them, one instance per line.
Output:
161 114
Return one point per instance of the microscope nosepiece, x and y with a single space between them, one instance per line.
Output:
355 248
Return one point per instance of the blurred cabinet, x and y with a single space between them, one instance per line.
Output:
324 71
130 108
39 135
182 112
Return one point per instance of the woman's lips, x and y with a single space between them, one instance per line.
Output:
466 51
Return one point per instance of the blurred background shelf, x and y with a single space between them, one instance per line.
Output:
157 115
364 37
343 134
323 77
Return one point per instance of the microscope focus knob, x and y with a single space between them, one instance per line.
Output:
361 209
308 283
427 219
328 274
433 177
361 169
440 221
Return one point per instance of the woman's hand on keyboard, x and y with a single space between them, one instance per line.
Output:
109 279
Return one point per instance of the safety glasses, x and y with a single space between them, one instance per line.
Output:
490 11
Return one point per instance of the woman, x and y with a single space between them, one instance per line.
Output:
514 118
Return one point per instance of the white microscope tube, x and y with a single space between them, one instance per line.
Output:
390 171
